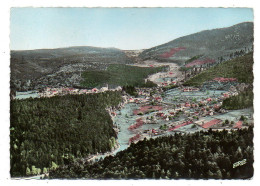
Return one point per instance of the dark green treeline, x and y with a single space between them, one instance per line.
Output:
46 132
202 155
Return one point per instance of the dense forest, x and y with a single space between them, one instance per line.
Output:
240 68
47 132
242 100
201 155
120 75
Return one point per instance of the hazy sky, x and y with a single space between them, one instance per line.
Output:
124 28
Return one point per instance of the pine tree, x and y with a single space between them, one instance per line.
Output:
210 174
39 171
34 170
44 170
218 174
28 171
53 166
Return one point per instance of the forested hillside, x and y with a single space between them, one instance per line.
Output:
28 64
34 69
242 100
46 132
240 68
202 155
209 44
120 75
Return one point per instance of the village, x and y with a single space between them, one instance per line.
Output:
50 92
170 107
180 110
129 93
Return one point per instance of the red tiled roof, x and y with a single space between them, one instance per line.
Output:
181 125
238 124
211 123
221 79
134 138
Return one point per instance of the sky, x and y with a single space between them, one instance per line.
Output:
123 28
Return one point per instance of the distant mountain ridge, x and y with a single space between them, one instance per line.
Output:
50 59
211 44
34 69
64 51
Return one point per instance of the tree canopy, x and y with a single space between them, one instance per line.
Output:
201 155
45 132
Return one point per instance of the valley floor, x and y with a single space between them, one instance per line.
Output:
172 73
155 112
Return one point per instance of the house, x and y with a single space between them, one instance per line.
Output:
216 106
83 91
238 124
154 131
118 88
75 90
94 90
211 123
103 89
136 101
70 89
164 83
209 100
158 99
200 122
226 95
190 89
221 79
160 114
113 113
131 100
54 92
187 104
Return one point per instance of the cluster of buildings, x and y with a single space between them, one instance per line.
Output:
186 111
49 92
167 83
146 95
222 79
190 89
137 100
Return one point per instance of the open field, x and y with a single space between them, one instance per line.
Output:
120 75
